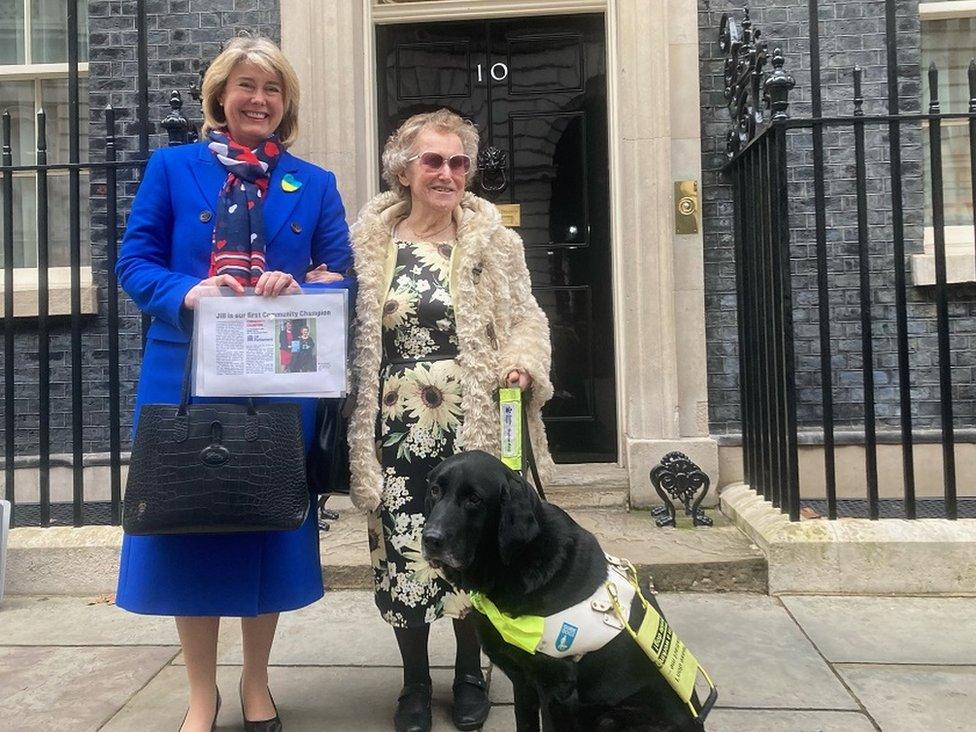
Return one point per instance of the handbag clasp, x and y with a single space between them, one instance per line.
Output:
215 454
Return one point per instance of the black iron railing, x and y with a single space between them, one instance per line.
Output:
109 168
760 168
27 444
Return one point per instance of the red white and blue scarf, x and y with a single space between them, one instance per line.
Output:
238 235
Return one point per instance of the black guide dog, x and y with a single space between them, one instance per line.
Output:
487 530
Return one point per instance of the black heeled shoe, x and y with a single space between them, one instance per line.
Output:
413 708
213 724
265 725
471 703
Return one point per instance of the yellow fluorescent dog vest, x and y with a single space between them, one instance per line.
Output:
590 624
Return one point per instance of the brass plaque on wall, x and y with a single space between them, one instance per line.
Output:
511 214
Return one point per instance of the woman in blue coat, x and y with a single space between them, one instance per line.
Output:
236 210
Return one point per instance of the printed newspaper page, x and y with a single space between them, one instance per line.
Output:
290 345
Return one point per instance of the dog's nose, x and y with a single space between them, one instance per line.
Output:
433 540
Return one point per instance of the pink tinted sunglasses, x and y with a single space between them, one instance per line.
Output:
435 161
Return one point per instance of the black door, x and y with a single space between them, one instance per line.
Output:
536 88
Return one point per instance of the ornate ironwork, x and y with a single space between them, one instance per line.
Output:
753 96
777 87
196 88
176 125
677 478
493 170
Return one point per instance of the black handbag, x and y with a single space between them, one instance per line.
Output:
328 458
216 468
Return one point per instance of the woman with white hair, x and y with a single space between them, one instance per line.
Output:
444 317
236 210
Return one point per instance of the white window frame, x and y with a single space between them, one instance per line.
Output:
26 287
960 251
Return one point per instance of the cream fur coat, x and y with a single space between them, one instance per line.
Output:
500 328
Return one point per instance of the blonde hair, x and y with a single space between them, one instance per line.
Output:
261 52
399 148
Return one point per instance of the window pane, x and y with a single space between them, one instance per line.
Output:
49 31
949 44
54 101
25 218
17 97
11 32
59 240
59 237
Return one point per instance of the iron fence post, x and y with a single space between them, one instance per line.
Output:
6 158
43 343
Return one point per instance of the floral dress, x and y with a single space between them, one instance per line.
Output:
419 425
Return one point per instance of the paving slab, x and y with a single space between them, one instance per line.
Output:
753 650
308 698
889 630
776 720
912 698
342 629
499 687
732 636
69 689
74 621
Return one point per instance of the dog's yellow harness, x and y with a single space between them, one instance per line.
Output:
589 625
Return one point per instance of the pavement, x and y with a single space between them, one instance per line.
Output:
789 663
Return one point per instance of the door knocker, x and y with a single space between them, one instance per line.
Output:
493 170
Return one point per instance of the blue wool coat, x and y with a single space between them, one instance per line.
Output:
165 252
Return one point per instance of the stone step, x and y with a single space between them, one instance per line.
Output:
719 558
589 485
84 561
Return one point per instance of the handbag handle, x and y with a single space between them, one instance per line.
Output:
185 389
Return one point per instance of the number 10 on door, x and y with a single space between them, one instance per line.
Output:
498 71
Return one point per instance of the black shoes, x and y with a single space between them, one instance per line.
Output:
413 708
213 724
471 703
265 725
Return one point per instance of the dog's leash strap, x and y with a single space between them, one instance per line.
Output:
528 455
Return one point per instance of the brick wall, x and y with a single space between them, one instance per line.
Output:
851 33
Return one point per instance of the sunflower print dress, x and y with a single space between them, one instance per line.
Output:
418 426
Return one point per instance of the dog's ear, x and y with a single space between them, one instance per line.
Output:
518 524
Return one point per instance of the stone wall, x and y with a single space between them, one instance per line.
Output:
851 33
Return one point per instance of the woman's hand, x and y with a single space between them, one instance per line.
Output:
208 288
322 275
272 284
519 378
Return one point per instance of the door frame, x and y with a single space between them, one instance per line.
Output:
449 10
657 276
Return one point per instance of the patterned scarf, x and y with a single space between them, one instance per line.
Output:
238 235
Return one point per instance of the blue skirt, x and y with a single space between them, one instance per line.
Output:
238 575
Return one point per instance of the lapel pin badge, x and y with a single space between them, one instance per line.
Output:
290 184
